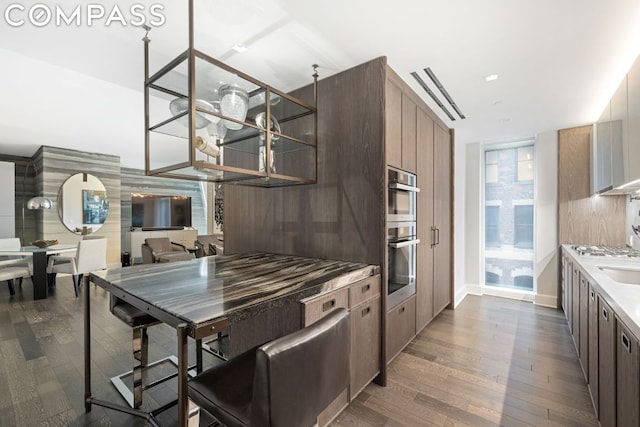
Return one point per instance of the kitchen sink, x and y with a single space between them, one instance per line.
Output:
623 275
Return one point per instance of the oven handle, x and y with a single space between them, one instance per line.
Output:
404 187
403 244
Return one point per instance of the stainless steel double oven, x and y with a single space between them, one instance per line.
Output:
401 236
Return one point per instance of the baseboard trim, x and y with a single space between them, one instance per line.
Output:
464 291
542 300
508 293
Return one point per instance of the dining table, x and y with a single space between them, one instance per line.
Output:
39 257
204 296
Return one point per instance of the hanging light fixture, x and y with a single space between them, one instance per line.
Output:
234 102
34 203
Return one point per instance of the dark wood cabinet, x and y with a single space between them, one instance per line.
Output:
401 327
408 134
362 299
627 378
593 348
584 325
365 344
393 124
442 218
606 364
568 293
575 307
425 203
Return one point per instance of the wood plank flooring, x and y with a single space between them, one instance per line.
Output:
490 362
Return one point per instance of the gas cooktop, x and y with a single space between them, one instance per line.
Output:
607 251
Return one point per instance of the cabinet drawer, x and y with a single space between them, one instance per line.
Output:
365 345
363 290
316 308
401 327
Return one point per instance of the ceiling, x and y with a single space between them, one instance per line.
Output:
558 62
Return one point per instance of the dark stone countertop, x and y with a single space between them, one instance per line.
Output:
231 286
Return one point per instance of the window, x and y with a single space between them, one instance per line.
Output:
491 278
525 163
491 166
523 222
525 282
491 230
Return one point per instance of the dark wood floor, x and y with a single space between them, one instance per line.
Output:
489 362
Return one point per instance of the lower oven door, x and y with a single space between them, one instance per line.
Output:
401 268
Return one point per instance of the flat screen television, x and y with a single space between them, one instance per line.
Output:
151 211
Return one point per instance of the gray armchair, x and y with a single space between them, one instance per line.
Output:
208 245
161 249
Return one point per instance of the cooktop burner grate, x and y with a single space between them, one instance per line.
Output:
607 251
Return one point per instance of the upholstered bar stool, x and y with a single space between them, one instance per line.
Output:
284 383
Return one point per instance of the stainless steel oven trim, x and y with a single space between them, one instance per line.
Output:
397 218
404 243
403 187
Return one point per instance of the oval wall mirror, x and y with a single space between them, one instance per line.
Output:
82 203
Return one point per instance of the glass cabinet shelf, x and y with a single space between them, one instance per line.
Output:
242 130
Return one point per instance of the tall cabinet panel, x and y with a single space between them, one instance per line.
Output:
393 124
408 134
442 218
424 273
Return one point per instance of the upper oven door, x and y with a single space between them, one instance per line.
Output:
401 202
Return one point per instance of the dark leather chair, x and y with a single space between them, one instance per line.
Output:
286 382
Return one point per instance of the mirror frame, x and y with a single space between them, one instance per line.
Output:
88 203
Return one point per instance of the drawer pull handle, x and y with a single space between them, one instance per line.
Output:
401 310
625 342
329 305
605 314
366 288
366 311
593 295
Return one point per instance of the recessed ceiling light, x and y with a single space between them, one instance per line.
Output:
490 78
240 48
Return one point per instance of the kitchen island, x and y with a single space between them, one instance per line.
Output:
256 297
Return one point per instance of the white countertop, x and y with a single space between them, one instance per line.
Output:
624 299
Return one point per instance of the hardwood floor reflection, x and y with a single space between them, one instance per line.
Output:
489 362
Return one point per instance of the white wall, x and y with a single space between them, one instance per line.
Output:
546 219
459 262
7 200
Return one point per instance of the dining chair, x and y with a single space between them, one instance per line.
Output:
286 382
13 267
91 255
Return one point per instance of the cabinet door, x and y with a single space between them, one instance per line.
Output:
607 364
408 134
584 325
619 135
424 258
393 125
627 378
575 309
633 146
593 348
401 327
442 218
365 345
569 292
